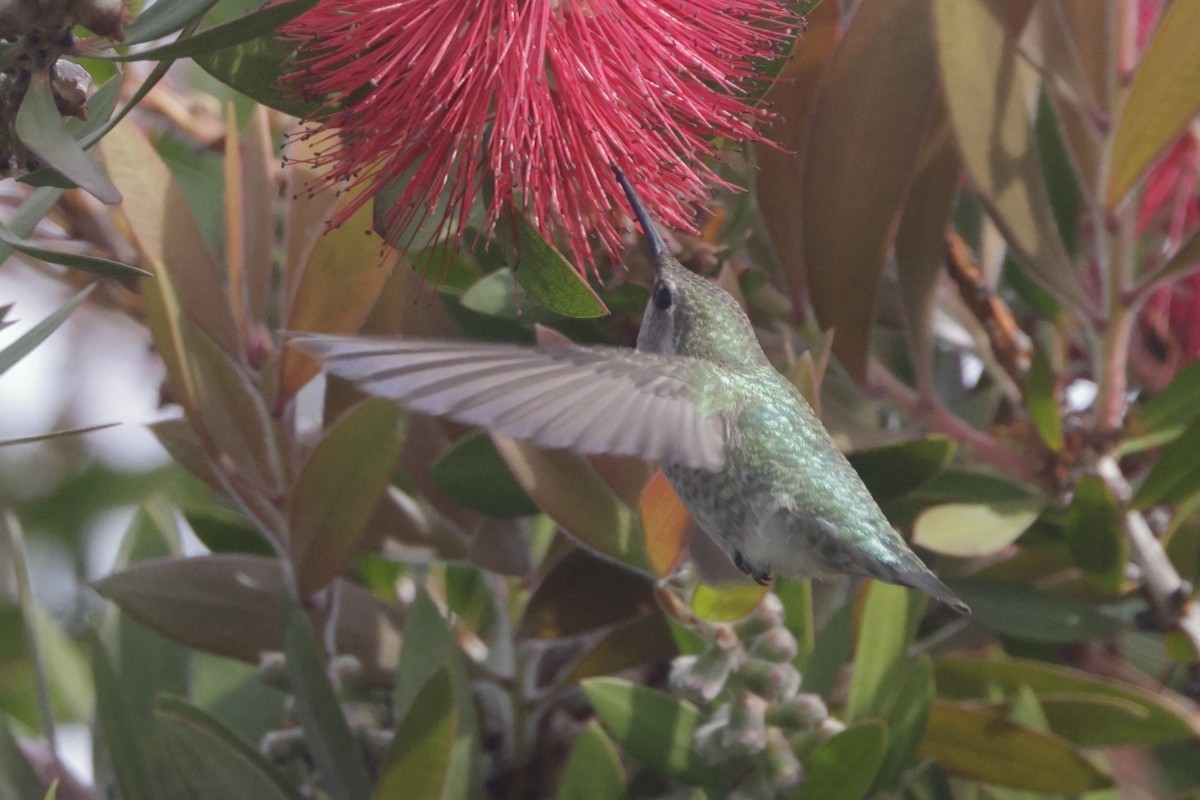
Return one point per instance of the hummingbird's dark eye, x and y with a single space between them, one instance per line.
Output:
662 296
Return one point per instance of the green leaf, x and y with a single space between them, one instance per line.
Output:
418 765
130 745
1017 610
1110 714
894 470
223 530
823 668
550 278
40 127
18 779
581 593
256 69
1041 398
652 727
1094 531
430 650
330 743
94 264
473 475
974 529
1163 98
23 221
593 770
567 489
882 641
987 86
338 488
159 19
23 346
1176 406
641 640
1176 474
1184 260
874 141
251 26
212 762
906 710
727 602
978 744
844 767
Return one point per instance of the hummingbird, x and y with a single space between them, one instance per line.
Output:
742 448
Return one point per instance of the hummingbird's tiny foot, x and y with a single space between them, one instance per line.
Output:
763 578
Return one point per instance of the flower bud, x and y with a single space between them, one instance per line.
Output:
746 733
701 678
70 84
776 682
777 644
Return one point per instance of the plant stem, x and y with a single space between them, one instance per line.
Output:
932 412
1117 327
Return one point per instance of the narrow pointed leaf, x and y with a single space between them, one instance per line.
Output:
94 264
1176 474
338 284
641 640
978 744
1163 98
159 19
780 174
550 278
418 765
45 437
1041 398
882 642
333 749
23 221
652 727
129 744
40 127
23 346
212 762
986 85
1158 717
874 141
906 712
337 490
17 776
1017 610
1176 406
1095 533
166 233
251 26
844 767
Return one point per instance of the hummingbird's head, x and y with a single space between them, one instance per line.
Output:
686 314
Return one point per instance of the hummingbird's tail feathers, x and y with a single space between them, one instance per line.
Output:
927 582
658 250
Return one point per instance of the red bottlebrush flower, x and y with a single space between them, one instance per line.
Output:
534 98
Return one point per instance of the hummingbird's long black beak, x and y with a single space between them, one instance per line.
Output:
658 250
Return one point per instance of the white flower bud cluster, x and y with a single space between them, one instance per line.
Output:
757 725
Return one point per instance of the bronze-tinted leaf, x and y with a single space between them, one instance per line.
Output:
337 491
987 87
870 120
230 605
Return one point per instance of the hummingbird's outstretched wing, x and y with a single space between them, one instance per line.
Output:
585 399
